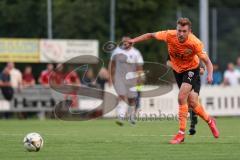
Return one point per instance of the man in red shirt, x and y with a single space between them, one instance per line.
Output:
72 79
44 77
28 79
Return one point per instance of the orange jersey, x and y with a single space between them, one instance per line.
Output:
183 56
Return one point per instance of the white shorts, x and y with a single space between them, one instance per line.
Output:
124 89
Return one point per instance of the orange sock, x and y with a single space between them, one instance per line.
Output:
183 112
199 110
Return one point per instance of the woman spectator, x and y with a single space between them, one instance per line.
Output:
28 79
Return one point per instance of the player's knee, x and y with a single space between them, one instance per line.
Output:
192 102
182 99
132 101
121 98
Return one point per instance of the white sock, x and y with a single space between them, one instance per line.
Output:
209 121
181 132
132 112
121 110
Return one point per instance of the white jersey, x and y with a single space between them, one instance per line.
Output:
126 62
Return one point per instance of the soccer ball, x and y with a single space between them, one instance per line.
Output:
33 142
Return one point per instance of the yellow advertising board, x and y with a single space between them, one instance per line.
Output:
19 50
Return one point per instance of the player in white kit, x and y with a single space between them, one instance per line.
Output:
126 71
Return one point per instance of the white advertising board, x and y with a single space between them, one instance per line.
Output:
63 50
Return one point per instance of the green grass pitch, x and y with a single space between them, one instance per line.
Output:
104 140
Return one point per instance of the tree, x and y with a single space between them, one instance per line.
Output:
23 18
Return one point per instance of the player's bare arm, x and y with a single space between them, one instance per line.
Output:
141 38
204 57
111 70
140 74
202 68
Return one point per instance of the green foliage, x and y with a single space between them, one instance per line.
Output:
90 19
142 16
81 19
228 33
23 18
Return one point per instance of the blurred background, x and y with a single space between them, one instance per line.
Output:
32 29
92 19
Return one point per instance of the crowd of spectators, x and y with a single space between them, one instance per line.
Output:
19 80
11 77
13 80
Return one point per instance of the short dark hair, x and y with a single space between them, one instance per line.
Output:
184 22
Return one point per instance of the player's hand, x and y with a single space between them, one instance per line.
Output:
130 41
209 78
202 70
141 77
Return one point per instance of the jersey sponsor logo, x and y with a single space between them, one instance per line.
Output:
178 55
184 55
188 51
190 74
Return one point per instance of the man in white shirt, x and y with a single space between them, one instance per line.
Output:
125 68
231 76
15 76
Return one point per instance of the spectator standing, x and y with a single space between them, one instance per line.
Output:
89 79
28 79
72 79
217 75
44 77
102 78
15 76
6 88
231 76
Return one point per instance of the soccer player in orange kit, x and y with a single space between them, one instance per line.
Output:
185 51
